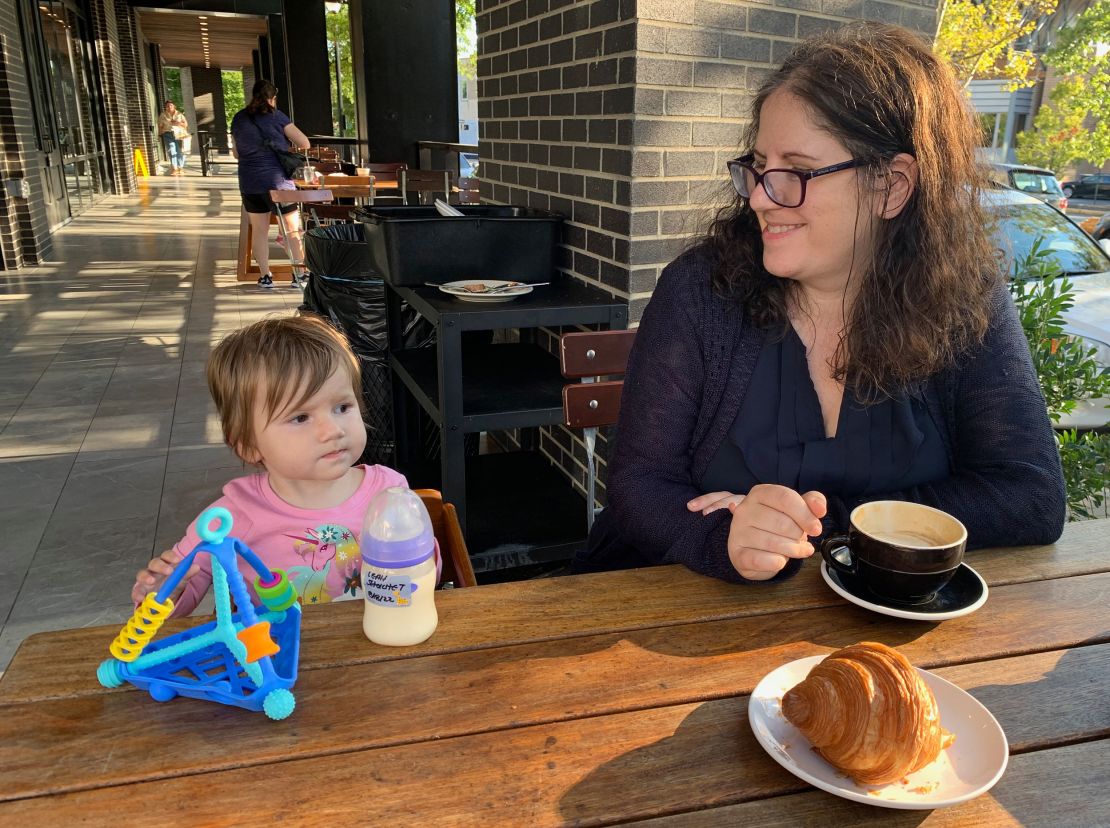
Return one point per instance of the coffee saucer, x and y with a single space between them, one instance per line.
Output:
965 593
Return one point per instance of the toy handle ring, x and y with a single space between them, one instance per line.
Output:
223 520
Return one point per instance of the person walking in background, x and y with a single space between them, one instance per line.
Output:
256 129
173 129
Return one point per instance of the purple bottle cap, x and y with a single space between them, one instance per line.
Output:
397 531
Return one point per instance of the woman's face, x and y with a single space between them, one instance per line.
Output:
170 108
818 242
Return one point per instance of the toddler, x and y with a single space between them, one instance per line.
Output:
288 394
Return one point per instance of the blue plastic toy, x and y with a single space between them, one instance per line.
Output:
248 659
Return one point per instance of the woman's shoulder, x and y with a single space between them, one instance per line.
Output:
687 282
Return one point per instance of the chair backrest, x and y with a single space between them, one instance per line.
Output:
593 402
349 180
425 182
326 167
457 568
469 191
300 196
593 354
386 171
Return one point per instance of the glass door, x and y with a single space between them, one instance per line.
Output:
77 122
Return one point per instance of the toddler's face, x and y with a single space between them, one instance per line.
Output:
318 440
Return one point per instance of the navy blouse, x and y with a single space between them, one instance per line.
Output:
778 436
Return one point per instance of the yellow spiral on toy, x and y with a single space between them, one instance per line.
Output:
137 632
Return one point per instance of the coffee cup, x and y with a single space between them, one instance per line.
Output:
901 552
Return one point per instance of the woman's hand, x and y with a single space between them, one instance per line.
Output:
713 501
770 526
156 572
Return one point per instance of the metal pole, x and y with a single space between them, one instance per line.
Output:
339 90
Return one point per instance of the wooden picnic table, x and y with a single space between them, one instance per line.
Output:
590 700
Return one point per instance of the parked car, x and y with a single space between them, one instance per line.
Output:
1096 185
1017 222
1039 183
1101 231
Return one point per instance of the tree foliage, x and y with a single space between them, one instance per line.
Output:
1073 123
978 38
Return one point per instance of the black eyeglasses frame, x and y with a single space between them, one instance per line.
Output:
744 162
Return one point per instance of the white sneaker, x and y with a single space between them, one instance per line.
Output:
300 280
266 281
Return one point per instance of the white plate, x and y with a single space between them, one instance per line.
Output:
965 593
966 769
459 291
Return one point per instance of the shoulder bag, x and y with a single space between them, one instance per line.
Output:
290 161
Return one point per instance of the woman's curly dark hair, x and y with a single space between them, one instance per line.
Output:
925 296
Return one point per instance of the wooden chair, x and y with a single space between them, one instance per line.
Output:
593 402
425 183
245 269
299 198
457 570
387 178
469 191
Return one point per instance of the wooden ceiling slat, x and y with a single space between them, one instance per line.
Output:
230 39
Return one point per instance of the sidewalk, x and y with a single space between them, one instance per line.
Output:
109 444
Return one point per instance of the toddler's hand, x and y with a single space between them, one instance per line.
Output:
150 579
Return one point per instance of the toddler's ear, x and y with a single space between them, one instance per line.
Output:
250 456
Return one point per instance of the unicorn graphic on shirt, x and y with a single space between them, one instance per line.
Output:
325 549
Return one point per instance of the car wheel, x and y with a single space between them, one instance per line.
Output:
1068 192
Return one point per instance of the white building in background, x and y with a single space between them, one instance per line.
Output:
468 110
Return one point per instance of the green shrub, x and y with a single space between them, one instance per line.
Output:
1068 373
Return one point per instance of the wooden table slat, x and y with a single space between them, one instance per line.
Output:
1045 789
593 770
63 664
534 683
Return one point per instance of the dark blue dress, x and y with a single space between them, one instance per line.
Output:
778 436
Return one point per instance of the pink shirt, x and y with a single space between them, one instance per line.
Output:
317 548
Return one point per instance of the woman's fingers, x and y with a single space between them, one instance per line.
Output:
706 500
790 503
817 504
762 564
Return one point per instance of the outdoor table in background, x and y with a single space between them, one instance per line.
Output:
598 699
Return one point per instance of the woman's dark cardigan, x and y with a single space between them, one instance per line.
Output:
687 376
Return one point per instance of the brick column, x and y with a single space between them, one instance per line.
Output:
24 227
140 121
620 114
102 22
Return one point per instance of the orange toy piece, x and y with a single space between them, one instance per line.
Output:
257 640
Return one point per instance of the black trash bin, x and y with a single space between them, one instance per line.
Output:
346 290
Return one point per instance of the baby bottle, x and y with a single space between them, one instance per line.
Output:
398 569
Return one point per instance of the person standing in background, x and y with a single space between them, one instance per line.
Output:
256 129
173 129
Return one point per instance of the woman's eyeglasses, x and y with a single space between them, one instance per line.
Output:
787 188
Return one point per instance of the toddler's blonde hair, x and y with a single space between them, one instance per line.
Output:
266 364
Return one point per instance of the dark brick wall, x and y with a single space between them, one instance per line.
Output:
139 118
620 114
105 33
24 229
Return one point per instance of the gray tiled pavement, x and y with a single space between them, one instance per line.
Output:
109 444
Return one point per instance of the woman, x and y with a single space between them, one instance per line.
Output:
259 172
840 335
173 129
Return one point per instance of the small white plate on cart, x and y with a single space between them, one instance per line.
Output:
969 767
476 290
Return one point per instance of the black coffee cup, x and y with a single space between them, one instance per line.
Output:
899 551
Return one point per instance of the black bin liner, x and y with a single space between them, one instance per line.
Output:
338 250
345 290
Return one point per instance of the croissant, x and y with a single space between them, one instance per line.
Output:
868 713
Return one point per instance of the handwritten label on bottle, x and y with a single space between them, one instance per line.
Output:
388 590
